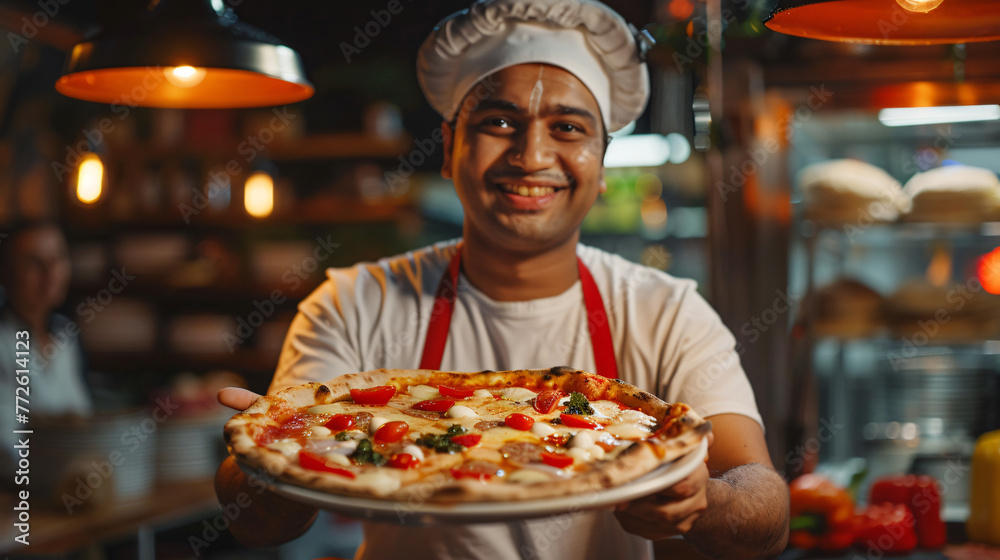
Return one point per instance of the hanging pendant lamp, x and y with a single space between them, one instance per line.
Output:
185 54
888 22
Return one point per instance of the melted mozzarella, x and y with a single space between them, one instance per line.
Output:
414 451
636 417
285 446
518 394
338 459
320 431
582 440
376 423
459 411
627 431
542 429
605 409
324 446
424 392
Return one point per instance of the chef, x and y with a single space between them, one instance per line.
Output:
528 92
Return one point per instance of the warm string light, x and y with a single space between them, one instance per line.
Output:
258 195
90 179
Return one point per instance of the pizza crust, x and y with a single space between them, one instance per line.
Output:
679 430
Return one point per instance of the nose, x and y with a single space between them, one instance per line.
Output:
533 149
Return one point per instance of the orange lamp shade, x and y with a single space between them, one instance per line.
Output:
888 22
185 54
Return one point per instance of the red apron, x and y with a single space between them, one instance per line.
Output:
444 305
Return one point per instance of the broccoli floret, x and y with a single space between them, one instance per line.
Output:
578 404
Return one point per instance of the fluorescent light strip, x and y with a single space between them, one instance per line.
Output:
638 150
913 116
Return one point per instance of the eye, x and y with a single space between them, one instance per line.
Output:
500 122
568 128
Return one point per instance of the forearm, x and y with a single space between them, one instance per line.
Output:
747 515
261 517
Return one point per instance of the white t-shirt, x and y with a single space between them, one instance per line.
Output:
667 340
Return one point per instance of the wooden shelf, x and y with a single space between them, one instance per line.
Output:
323 212
338 145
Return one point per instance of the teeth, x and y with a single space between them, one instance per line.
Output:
525 190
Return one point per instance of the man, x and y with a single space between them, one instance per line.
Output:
34 273
528 91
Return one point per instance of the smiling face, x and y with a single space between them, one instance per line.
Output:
526 160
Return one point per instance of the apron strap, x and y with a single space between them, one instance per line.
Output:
444 306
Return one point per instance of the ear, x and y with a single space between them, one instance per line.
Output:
448 137
602 185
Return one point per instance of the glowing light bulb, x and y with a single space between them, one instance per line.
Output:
919 6
184 76
89 179
258 195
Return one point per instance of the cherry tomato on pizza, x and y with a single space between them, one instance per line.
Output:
375 396
391 432
340 422
574 421
519 421
454 393
546 401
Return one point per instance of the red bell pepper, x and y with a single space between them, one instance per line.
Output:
920 494
886 527
822 514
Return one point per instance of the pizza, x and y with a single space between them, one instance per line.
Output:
460 437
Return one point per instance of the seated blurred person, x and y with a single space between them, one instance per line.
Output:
34 274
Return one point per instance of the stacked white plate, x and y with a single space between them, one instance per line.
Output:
95 459
190 448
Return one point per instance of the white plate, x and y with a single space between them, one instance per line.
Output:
490 512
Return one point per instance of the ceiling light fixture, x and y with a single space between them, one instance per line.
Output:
190 54
888 22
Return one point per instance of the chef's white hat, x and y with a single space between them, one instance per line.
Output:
585 37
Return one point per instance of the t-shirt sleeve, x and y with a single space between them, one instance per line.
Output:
701 362
322 340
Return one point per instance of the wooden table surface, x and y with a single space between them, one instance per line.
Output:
54 531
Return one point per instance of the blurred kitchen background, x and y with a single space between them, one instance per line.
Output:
193 233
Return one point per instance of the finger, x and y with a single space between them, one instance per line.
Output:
236 398
643 527
670 512
711 438
688 486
